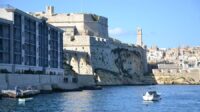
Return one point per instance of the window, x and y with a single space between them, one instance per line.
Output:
75 80
6 45
17 46
6 31
17 34
1 44
1 30
1 57
65 80
17 58
6 57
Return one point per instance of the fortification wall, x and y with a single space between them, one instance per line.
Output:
86 80
96 25
118 59
85 23
177 76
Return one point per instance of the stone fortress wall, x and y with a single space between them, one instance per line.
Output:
86 35
104 53
177 76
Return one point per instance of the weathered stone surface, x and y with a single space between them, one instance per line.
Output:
190 76
89 48
175 80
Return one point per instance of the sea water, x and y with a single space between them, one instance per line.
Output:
175 98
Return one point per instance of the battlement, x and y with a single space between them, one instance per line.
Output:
88 24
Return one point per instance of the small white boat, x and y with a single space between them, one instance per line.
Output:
20 93
24 99
151 96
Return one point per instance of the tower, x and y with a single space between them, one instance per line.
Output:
50 10
139 37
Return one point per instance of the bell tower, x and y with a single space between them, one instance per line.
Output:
49 10
139 37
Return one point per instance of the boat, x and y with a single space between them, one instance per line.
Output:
24 99
18 93
151 96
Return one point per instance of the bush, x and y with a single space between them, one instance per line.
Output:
4 71
39 72
28 71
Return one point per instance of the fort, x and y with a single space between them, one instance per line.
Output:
90 50
74 50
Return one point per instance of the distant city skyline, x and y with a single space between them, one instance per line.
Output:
167 23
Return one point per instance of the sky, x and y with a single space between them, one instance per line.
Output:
165 23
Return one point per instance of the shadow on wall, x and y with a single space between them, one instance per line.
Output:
128 69
149 77
107 77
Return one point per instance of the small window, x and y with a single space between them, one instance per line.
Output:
75 80
1 30
65 80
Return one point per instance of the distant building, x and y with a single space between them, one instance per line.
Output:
184 58
29 43
155 55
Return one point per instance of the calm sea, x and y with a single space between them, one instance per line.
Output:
175 98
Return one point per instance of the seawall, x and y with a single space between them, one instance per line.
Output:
177 76
9 81
45 82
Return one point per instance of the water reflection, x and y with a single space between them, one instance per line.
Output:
79 101
111 99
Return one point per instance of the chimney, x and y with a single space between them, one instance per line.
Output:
49 10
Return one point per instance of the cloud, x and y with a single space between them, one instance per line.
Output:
117 31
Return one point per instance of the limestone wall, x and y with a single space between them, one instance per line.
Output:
85 23
127 61
24 80
177 76
96 25
124 63
86 80
77 54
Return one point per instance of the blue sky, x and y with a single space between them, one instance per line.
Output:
166 23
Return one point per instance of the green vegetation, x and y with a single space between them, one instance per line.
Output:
4 71
29 71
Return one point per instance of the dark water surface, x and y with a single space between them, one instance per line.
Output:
112 99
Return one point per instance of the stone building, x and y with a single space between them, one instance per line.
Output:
155 55
90 50
184 57
29 43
